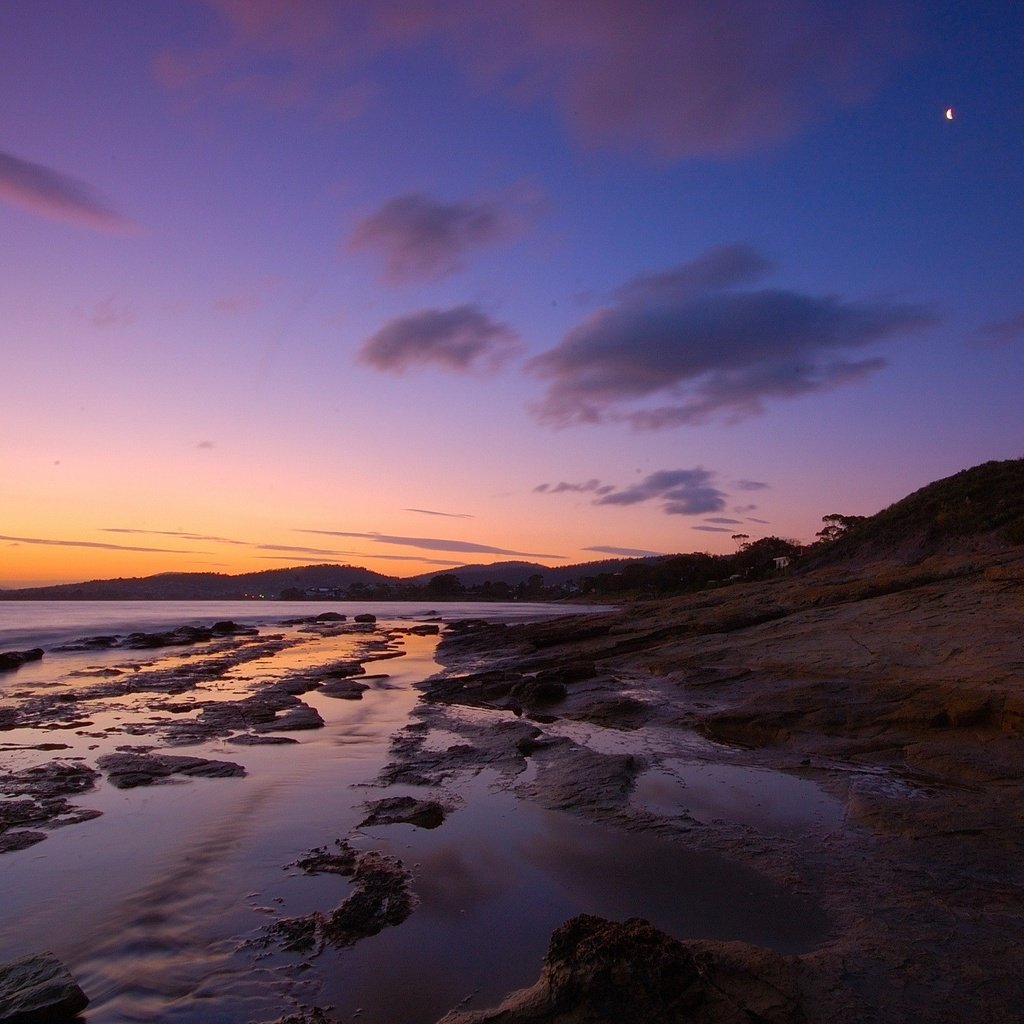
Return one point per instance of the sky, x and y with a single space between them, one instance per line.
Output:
411 284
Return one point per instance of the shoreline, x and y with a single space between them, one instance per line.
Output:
849 743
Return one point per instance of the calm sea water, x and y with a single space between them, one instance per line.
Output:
151 904
27 624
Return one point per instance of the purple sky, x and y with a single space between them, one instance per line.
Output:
414 284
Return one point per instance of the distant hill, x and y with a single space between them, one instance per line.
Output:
202 586
981 507
514 573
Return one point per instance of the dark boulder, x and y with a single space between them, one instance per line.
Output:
38 989
364 617
10 660
128 770
602 972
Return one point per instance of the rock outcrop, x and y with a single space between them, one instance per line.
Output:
38 989
602 972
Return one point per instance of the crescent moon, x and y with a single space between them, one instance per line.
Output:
949 113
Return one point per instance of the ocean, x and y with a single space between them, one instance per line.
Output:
160 904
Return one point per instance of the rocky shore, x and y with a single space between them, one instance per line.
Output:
894 690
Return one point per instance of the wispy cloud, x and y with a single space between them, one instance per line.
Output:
110 312
50 542
446 515
587 487
608 549
668 79
684 492
751 485
246 298
432 543
1002 332
711 529
45 191
462 338
723 520
692 336
422 238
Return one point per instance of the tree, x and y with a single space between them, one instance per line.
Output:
445 585
835 525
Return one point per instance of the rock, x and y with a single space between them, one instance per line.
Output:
364 617
90 643
127 770
226 627
381 897
602 972
11 660
426 629
20 840
38 989
404 810
534 692
344 689
330 617
251 739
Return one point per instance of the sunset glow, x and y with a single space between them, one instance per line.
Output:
411 286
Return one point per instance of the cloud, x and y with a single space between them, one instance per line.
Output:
183 534
723 519
763 522
711 529
206 445
421 238
462 338
42 190
246 298
1002 332
608 549
446 515
589 486
96 544
111 313
685 492
751 485
667 79
432 543
691 338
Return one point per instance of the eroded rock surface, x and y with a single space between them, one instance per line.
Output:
381 897
126 770
38 989
602 972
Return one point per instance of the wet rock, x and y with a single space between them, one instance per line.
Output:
404 810
344 689
37 798
330 617
19 840
38 989
273 709
227 627
90 643
381 898
538 692
251 739
11 660
364 617
574 778
46 781
602 972
127 770
425 629
611 712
